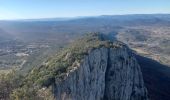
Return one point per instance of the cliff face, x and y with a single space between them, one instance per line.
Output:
103 74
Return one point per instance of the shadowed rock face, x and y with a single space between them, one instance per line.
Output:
156 78
104 74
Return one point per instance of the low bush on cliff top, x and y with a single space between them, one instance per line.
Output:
57 66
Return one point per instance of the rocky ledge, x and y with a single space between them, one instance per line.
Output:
105 73
92 68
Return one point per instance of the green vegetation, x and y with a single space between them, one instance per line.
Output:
8 82
57 66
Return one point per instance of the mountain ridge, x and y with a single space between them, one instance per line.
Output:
95 64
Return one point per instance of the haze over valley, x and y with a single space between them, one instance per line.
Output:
149 35
84 50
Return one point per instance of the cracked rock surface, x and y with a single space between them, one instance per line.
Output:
104 74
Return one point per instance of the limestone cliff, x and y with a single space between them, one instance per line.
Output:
103 74
92 68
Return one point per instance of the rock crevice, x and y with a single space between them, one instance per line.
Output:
104 74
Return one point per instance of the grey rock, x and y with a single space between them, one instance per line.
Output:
104 74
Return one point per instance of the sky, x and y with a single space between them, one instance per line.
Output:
33 9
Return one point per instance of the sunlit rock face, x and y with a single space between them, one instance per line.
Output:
104 74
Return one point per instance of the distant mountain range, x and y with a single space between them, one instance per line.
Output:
147 34
33 29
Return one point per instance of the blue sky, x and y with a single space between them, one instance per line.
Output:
28 9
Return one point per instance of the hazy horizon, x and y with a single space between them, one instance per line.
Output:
76 17
37 9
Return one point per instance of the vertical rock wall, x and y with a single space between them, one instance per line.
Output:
105 74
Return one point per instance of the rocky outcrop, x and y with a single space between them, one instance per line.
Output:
103 74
